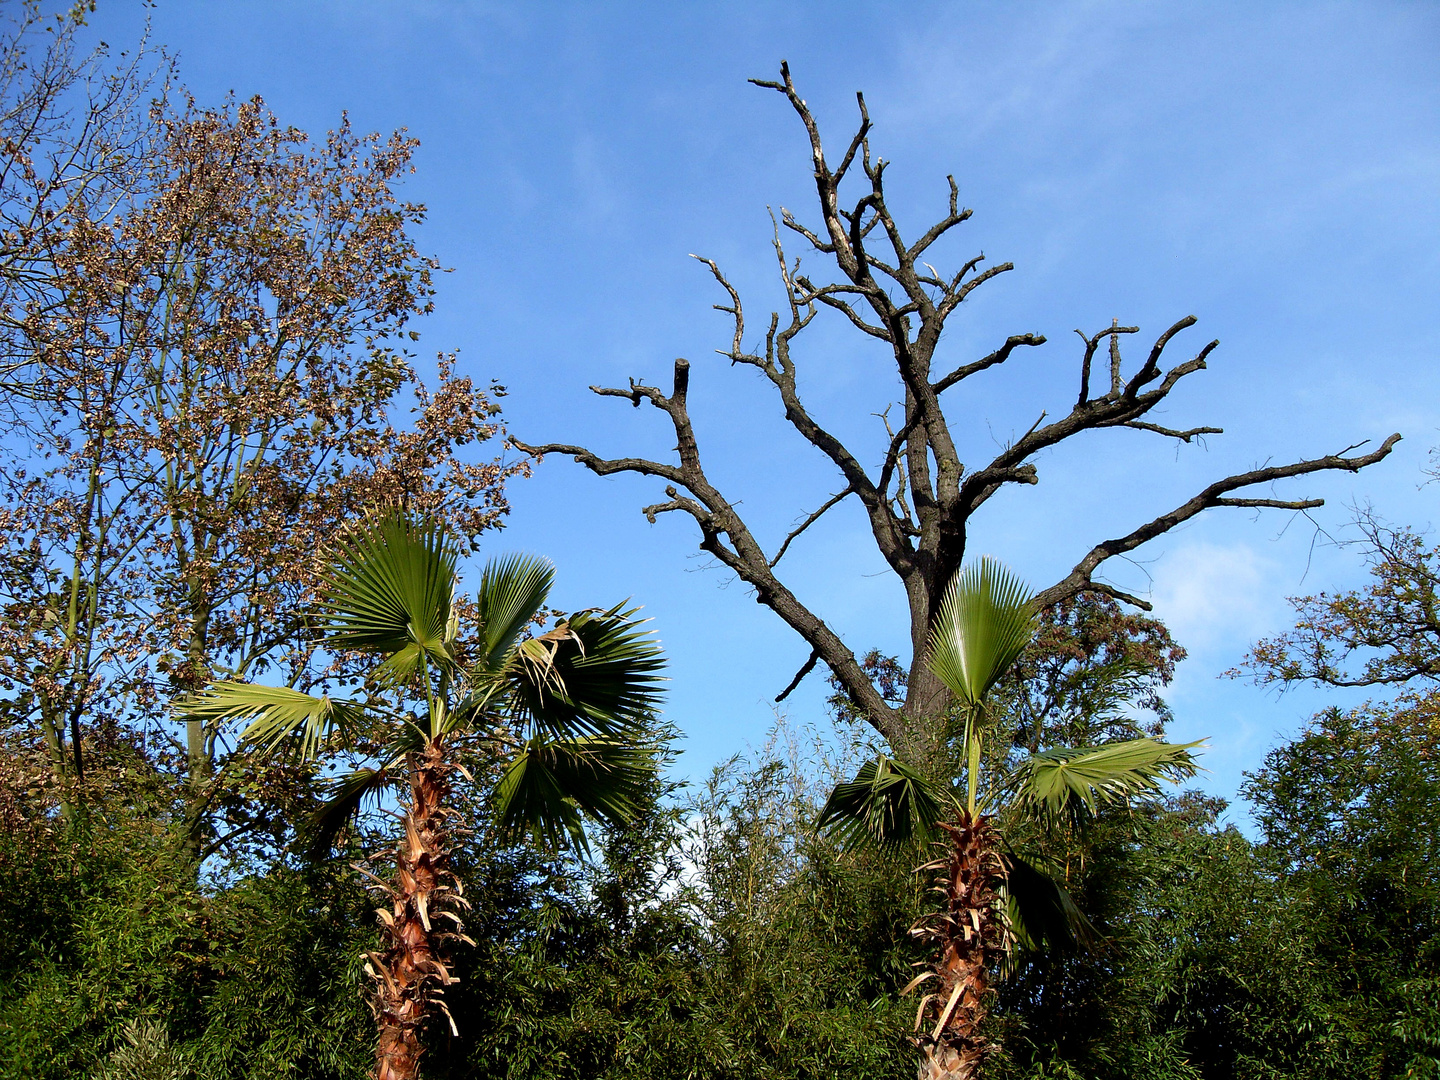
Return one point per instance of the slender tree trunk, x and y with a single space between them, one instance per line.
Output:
971 941
194 677
55 748
419 922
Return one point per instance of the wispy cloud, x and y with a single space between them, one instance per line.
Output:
1217 597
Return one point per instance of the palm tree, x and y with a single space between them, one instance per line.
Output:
563 712
995 901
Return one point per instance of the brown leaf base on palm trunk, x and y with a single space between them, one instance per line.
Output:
970 939
420 921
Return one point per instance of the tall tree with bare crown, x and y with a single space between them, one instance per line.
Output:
921 497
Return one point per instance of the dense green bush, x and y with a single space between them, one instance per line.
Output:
720 939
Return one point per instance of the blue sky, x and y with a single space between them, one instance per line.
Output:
1272 169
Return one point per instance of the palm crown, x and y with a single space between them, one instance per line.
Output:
565 711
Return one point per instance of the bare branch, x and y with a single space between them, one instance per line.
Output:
1272 504
736 353
678 502
857 141
1106 589
1091 344
1116 409
999 356
788 220
598 465
944 225
974 283
1183 436
1080 578
827 296
1151 370
830 502
805 669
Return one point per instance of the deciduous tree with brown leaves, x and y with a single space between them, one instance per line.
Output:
204 320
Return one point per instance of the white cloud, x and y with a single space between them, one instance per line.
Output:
1217 596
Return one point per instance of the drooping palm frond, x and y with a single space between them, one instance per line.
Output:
597 673
1040 912
986 619
390 592
275 713
512 590
1074 781
348 793
885 805
346 796
551 782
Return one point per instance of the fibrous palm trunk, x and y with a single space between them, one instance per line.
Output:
420 920
970 939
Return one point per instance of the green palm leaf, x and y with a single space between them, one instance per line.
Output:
597 673
551 782
1074 781
347 795
986 619
275 713
390 592
512 590
885 805
1041 913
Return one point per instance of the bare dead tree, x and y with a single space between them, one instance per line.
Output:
920 499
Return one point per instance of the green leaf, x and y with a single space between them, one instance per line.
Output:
986 619
347 795
512 590
391 588
1041 913
885 805
597 673
400 668
551 783
1074 781
275 713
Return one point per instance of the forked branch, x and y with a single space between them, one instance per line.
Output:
1080 579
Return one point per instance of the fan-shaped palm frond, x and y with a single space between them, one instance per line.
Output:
512 590
275 713
1040 912
986 619
1074 781
597 673
552 781
885 805
346 796
390 591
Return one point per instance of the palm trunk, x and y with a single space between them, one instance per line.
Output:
410 975
971 941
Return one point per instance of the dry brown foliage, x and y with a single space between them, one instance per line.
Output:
205 321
